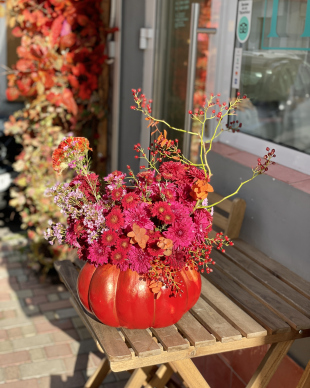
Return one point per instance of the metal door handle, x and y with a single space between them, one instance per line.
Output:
191 72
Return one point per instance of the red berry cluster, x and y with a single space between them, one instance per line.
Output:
262 165
141 101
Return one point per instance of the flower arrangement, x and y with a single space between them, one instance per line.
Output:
157 222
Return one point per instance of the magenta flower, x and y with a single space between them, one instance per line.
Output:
182 234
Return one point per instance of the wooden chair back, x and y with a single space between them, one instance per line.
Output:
228 215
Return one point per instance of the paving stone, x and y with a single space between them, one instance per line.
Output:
64 295
84 333
3 335
37 354
13 322
53 325
14 358
42 368
1 375
16 272
31 383
77 380
15 332
22 278
31 310
10 305
81 362
9 314
36 300
85 346
5 297
50 315
28 331
122 376
65 336
11 373
65 313
52 297
77 322
59 350
110 378
6 346
24 293
32 342
61 304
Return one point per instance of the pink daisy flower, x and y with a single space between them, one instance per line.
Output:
119 258
98 253
139 215
123 243
109 238
182 234
177 260
115 219
117 194
139 260
130 200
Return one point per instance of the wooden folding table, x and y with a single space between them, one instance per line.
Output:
249 300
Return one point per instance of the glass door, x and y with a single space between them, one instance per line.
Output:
171 62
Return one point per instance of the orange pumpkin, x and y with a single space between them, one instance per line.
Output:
124 299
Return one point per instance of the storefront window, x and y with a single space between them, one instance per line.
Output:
171 64
275 71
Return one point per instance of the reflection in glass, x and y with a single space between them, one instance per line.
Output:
275 74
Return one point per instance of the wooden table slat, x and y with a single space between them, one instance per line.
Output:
292 316
214 322
239 319
141 342
194 331
277 269
258 311
289 294
170 338
108 337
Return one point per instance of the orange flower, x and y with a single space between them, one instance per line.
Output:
166 244
69 150
200 189
138 235
155 287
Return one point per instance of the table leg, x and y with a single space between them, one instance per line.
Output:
269 364
161 377
100 374
305 378
189 373
140 376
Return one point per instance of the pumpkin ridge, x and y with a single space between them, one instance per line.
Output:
114 307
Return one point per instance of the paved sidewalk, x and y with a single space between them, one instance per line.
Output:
43 343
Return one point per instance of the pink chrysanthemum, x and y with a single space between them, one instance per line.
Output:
181 211
139 260
182 234
203 224
130 200
123 243
139 215
117 194
119 258
109 238
194 173
115 219
98 253
174 171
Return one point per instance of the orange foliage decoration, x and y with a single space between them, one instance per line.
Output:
61 57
